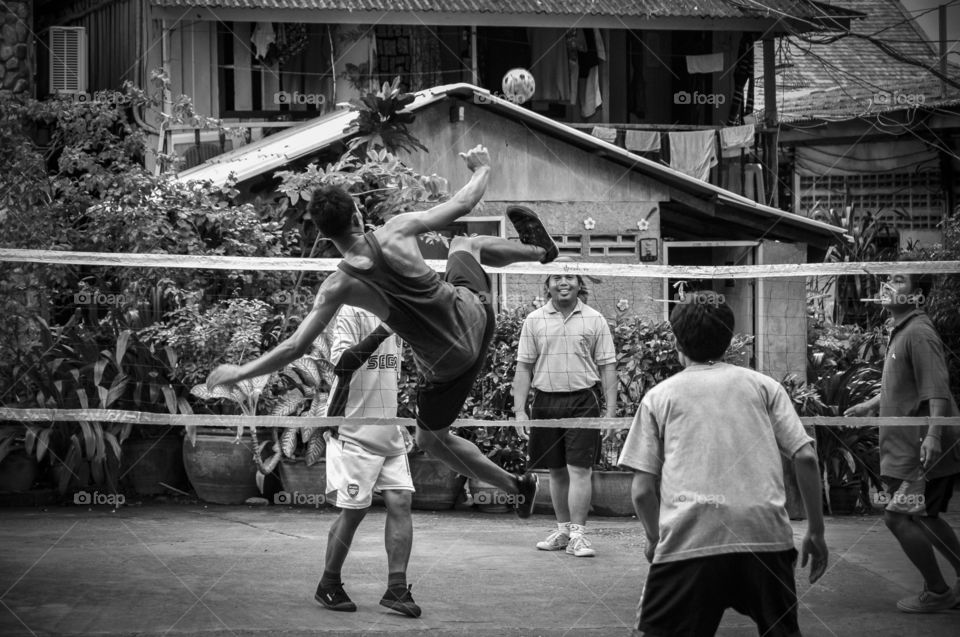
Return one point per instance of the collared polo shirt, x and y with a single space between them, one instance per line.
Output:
914 372
566 353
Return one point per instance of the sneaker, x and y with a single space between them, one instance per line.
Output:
531 231
529 483
556 541
335 598
580 547
928 601
400 600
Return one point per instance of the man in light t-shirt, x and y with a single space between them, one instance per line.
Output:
718 535
365 458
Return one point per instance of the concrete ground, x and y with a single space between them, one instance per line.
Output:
212 570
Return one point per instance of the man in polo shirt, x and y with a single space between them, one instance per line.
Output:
918 464
565 350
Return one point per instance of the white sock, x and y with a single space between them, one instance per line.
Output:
576 530
564 527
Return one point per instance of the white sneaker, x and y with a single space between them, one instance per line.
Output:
556 541
580 547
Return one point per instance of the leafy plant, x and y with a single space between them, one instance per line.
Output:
307 378
381 122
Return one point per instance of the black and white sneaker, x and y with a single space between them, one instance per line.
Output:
400 600
529 484
335 598
532 232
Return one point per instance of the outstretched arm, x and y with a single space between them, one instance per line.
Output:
442 215
325 306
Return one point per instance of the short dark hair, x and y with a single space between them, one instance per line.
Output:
331 209
703 326
919 280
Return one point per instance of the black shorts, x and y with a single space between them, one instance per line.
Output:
688 598
555 447
439 404
936 494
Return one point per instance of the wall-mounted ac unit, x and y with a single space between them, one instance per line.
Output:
68 59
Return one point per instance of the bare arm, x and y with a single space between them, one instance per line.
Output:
608 379
442 215
930 448
646 504
864 409
521 389
808 480
325 306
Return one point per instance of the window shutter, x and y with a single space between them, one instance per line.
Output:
68 59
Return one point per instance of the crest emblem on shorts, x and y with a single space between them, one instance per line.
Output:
353 490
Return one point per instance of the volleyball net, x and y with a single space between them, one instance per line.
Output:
128 338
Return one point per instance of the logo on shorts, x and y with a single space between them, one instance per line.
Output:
353 490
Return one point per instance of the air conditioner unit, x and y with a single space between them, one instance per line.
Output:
68 60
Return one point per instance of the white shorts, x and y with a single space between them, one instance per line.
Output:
353 474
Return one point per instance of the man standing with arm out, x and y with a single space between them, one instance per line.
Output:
918 465
365 458
566 350
705 447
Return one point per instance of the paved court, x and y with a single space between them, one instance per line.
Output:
209 570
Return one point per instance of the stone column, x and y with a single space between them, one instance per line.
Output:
16 56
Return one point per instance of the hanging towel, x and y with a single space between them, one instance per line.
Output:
694 153
734 138
263 36
642 141
604 133
589 67
551 66
710 63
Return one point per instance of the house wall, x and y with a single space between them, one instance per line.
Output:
16 59
782 324
565 185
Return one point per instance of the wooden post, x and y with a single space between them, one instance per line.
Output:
770 119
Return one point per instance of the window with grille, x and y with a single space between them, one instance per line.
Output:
918 194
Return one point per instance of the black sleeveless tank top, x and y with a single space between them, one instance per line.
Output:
437 319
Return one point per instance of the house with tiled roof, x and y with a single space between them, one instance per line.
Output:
869 120
657 66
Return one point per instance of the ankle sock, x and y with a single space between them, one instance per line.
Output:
397 580
564 527
329 578
576 530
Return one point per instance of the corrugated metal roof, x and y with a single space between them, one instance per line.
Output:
633 8
277 151
852 76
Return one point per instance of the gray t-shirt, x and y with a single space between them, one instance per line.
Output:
714 435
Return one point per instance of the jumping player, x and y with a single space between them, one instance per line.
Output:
448 322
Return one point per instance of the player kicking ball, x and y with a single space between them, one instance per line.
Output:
447 321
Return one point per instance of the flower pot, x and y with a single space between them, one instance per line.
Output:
17 472
843 499
148 462
611 493
543 503
221 470
303 486
437 486
488 498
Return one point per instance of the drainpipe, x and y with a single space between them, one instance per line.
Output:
474 64
139 71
